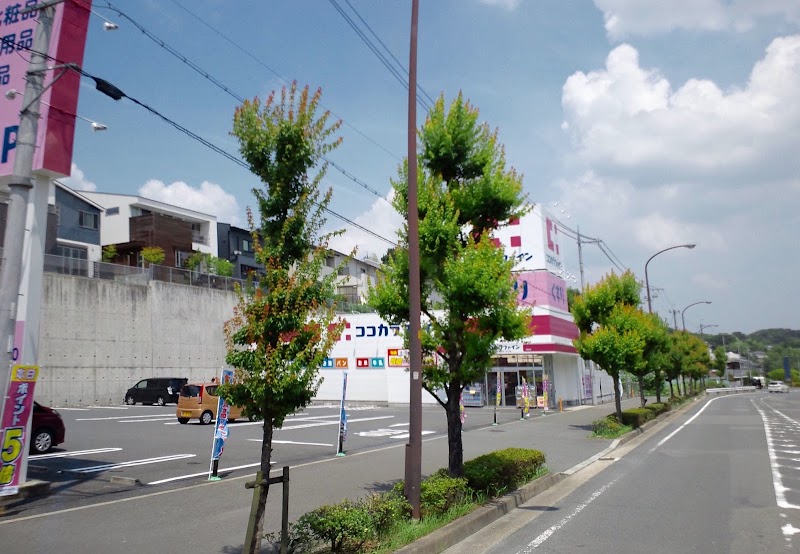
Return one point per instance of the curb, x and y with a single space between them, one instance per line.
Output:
458 530
30 488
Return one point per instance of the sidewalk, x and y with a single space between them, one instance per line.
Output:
212 517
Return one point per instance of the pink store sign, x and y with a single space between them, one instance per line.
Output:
13 425
56 132
541 288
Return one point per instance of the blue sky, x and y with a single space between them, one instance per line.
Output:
651 123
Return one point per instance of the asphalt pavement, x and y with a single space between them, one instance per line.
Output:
176 508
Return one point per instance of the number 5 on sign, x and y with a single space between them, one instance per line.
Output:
12 445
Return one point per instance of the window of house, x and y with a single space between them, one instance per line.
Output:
330 261
58 215
247 245
112 211
71 252
181 257
88 220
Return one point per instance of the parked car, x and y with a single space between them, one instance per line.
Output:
777 386
199 401
156 390
47 429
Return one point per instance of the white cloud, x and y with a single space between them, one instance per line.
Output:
507 4
78 181
380 218
208 198
628 119
649 17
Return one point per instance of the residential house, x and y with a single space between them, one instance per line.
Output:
236 245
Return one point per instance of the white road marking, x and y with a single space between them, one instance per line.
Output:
789 530
538 541
691 419
159 418
777 482
294 442
113 407
399 425
406 435
73 453
140 416
72 409
219 472
105 467
321 423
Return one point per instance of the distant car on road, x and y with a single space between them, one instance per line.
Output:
47 429
777 386
199 401
156 390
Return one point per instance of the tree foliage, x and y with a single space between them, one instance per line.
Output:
215 266
153 255
720 361
465 192
283 327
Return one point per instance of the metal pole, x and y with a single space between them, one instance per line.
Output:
285 512
413 469
675 318
20 185
580 257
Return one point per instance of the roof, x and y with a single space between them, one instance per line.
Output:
74 192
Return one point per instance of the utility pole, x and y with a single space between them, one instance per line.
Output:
413 469
20 185
675 318
580 257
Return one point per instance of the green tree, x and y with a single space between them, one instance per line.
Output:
282 329
676 358
109 253
597 308
720 362
199 261
654 334
153 255
468 299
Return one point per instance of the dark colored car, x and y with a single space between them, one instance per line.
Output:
47 429
156 390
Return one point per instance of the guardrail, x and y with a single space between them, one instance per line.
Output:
729 390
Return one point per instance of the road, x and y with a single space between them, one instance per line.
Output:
724 477
192 514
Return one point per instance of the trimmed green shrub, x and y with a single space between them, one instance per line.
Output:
345 526
636 417
607 426
439 492
658 408
387 509
498 472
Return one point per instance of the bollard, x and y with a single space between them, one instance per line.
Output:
560 406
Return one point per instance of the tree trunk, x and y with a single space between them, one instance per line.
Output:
685 390
641 390
659 384
671 390
455 447
266 454
618 398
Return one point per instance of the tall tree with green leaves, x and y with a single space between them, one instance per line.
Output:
720 361
604 339
653 333
678 358
468 299
284 326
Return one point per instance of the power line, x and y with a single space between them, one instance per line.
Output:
223 87
283 78
402 72
113 92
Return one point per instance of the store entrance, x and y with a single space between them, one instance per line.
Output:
510 382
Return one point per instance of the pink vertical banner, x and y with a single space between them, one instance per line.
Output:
16 412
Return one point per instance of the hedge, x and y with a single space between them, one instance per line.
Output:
501 471
636 417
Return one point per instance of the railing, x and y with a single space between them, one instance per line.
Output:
729 390
193 278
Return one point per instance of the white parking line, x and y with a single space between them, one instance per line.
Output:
406 435
140 416
294 442
321 423
74 453
159 418
104 467
73 409
399 425
219 472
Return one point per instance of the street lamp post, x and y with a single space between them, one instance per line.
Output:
647 281
683 319
705 327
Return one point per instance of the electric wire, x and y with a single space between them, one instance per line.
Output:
208 144
226 89
281 77
387 49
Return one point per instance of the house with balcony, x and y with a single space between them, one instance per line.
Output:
355 276
236 245
131 223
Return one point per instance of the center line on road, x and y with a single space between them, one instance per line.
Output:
538 541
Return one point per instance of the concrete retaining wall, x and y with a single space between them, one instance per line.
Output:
99 337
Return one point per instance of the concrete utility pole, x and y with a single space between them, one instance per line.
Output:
580 257
413 469
20 185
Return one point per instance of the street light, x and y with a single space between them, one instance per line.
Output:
705 327
683 320
647 281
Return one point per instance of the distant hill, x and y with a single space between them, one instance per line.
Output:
766 347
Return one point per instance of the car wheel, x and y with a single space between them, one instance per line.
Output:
206 417
42 441
183 420
129 400
160 401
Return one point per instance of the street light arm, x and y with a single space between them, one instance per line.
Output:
683 320
647 280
